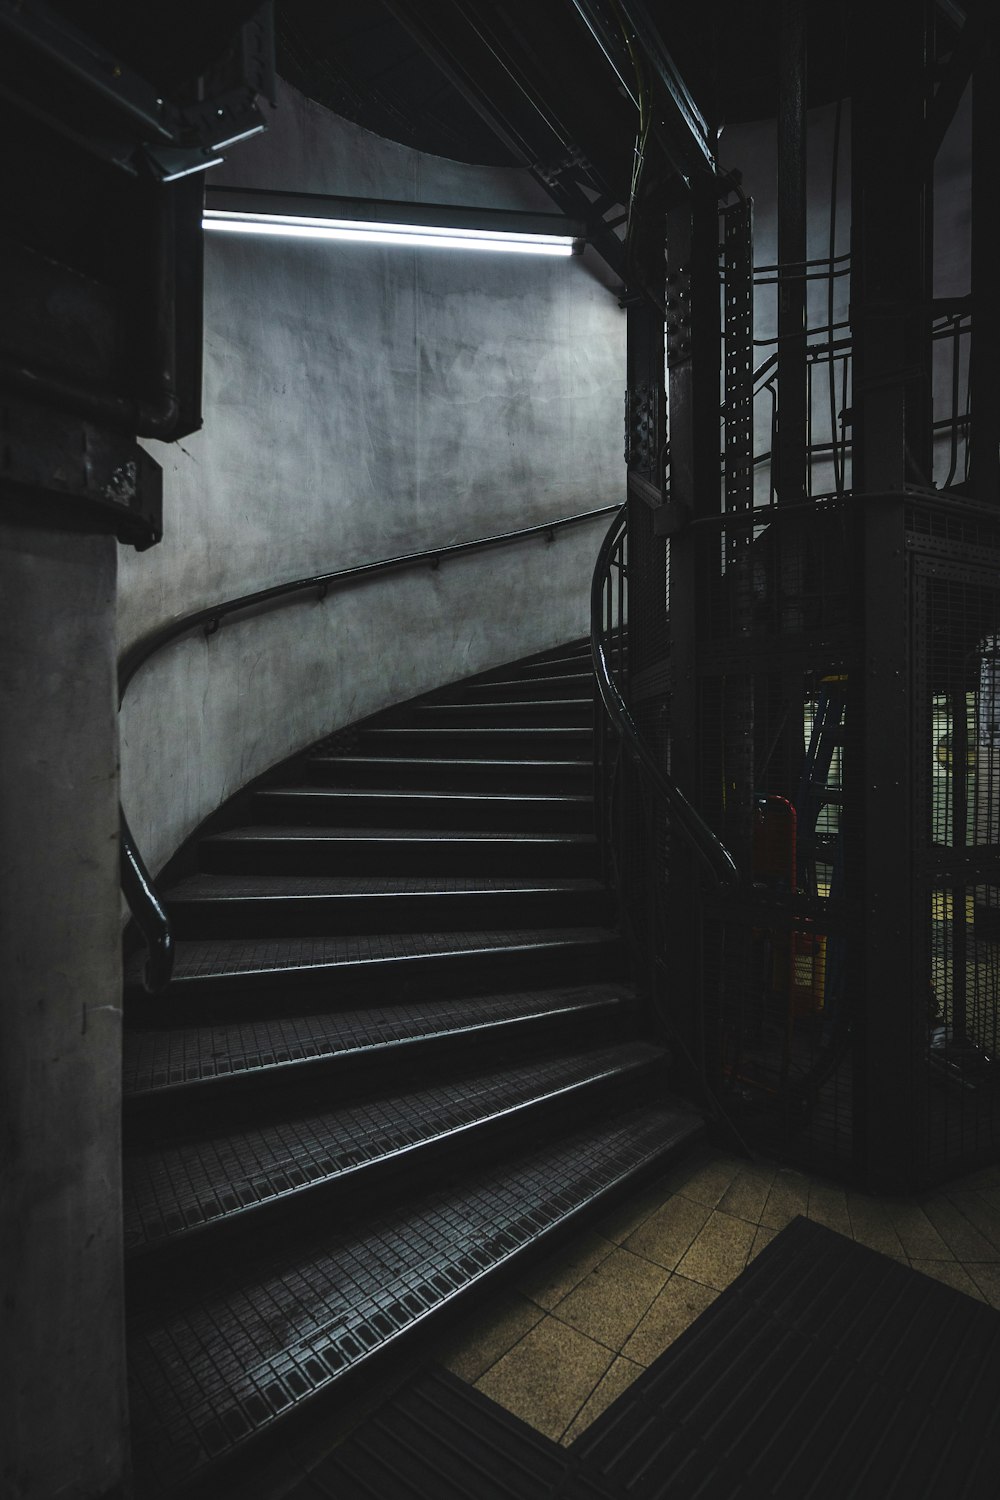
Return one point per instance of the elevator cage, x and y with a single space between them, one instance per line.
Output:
842 1004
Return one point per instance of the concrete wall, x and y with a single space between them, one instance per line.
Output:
62 1357
361 402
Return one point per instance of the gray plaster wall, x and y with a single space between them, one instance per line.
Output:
360 402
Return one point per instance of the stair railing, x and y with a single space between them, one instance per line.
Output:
641 812
138 886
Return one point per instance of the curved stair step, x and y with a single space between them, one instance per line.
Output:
299 905
401 808
294 850
175 1194
454 772
380 965
216 1363
566 684
555 741
181 1063
507 713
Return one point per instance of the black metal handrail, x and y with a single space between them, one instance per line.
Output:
707 847
137 883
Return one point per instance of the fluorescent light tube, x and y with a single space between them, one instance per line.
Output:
374 232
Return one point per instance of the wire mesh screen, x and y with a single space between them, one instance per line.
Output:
956 773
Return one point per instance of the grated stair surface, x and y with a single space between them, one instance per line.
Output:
380 833
214 1364
172 1190
165 1059
240 957
224 887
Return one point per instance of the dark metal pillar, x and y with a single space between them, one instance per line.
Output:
891 327
693 358
985 436
790 459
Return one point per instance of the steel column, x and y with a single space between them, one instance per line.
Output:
790 458
985 435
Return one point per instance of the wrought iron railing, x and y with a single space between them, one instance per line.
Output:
138 885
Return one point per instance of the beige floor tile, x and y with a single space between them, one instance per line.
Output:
987 1279
762 1236
872 1226
549 1281
917 1235
497 1327
708 1181
627 1217
828 1205
961 1237
609 1302
789 1196
666 1234
618 1379
677 1306
747 1194
719 1253
548 1376
952 1274
980 1213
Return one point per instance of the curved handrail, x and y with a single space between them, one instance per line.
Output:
706 845
137 883
213 615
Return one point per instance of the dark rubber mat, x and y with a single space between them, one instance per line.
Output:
214 1364
159 1060
824 1372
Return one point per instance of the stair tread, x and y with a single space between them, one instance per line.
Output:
168 1190
217 1361
380 831
233 887
202 958
390 794
409 762
561 704
160 1059
476 731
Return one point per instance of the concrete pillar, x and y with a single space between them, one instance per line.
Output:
62 1366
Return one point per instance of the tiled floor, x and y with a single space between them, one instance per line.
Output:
577 1330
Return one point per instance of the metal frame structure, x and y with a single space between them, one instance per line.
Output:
791 664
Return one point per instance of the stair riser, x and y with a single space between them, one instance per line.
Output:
506 715
463 776
558 743
316 916
567 685
420 1167
188 1107
399 857
577 662
215 1000
316 809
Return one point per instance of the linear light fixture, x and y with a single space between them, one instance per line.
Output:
384 222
